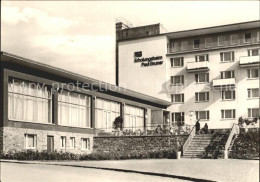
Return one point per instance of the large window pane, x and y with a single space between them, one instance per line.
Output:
73 109
28 101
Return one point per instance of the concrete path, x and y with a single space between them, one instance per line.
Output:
184 169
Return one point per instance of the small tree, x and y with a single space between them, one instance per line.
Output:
118 123
246 121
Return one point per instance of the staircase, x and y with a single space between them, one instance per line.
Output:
197 146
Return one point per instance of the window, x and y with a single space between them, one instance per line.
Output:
106 111
63 142
177 116
201 58
202 77
30 141
227 56
228 95
253 112
28 101
133 118
221 40
196 44
177 80
234 39
247 37
184 45
227 74
85 144
177 62
204 115
228 114
177 98
174 46
73 109
253 73
72 142
253 52
202 96
253 92
209 42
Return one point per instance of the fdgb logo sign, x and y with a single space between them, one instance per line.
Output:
149 61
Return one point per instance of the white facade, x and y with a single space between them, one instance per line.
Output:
223 58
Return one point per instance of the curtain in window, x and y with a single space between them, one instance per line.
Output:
73 109
134 118
28 101
106 112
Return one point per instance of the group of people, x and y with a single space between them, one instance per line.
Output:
204 130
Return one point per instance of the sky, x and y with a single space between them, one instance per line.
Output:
79 36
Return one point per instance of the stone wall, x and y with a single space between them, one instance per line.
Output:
138 143
14 140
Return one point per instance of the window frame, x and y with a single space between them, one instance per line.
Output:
197 78
250 112
182 98
249 73
223 114
181 80
87 143
72 142
223 74
69 104
182 115
223 95
247 38
197 57
197 113
26 141
63 140
196 44
50 100
181 59
207 43
250 51
197 97
231 40
219 40
250 93
184 45
222 56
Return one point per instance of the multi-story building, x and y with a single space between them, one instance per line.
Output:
47 108
211 74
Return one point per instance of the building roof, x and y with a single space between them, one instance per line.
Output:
215 29
77 77
206 30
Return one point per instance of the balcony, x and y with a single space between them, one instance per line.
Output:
213 45
249 61
197 66
224 83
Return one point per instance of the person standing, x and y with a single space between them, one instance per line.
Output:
197 125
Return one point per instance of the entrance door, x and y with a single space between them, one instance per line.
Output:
50 143
166 118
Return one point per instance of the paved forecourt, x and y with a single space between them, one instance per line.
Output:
185 169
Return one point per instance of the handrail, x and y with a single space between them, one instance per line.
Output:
234 130
189 139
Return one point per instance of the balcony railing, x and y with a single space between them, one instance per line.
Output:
197 66
224 82
212 45
249 61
